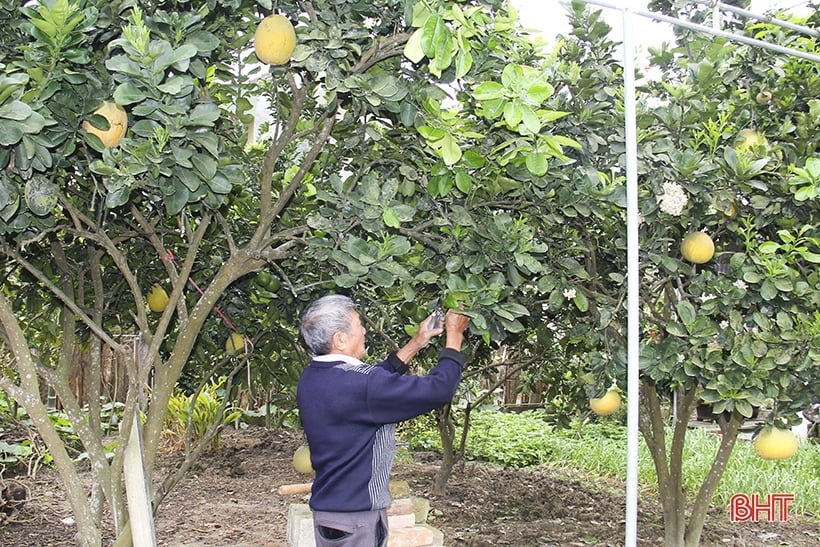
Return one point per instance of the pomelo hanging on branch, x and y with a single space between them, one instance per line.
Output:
774 443
606 405
117 124
697 247
274 40
749 138
157 299
235 345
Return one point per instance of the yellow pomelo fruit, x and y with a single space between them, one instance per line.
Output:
301 460
274 40
606 405
157 299
697 247
235 345
776 444
749 138
117 124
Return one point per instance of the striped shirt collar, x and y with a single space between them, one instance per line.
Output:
334 357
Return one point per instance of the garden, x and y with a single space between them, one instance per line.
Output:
178 181
523 484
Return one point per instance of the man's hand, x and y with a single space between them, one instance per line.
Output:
419 341
455 324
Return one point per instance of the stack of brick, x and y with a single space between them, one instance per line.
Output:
406 518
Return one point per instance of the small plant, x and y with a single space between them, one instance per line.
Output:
191 416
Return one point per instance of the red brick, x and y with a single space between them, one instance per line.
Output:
417 536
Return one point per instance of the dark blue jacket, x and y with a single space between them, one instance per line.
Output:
349 412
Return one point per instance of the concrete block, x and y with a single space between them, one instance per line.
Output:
438 535
421 509
399 489
300 526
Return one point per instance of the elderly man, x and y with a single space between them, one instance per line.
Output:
349 412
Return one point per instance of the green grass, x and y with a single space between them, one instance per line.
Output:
524 439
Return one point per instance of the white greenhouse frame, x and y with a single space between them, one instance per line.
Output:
633 285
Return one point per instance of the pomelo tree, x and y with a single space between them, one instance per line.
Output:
737 329
393 154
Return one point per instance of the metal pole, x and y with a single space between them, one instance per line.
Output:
633 283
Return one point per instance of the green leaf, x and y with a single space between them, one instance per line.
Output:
686 312
390 219
345 281
539 92
489 90
746 410
768 247
537 163
10 83
204 114
450 150
124 65
15 110
128 93
175 201
768 290
512 115
581 301
677 329
10 133
464 182
464 61
118 197
177 85
413 49
530 119
381 277
41 195
178 57
434 35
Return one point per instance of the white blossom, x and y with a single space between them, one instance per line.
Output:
707 297
320 94
740 284
673 199
724 325
569 294
369 22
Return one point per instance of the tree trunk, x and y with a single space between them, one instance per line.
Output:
697 519
669 466
653 429
446 429
28 395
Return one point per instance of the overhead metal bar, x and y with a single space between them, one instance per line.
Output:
709 30
768 19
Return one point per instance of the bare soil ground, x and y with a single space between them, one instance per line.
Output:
232 499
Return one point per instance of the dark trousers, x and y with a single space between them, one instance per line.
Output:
358 529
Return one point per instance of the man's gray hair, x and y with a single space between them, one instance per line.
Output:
322 319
